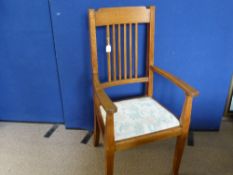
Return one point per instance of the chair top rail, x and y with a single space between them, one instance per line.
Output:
122 15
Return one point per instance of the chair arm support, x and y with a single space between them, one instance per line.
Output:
102 97
190 91
185 117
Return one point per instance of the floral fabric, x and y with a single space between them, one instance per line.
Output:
140 116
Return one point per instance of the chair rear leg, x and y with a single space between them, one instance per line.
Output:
96 130
180 144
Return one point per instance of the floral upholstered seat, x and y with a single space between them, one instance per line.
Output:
140 116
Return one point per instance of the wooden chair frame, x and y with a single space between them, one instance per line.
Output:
117 17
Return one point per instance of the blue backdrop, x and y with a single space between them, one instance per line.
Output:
29 88
194 40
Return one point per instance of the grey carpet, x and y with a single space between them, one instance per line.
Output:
24 151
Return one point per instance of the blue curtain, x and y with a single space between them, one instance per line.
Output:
29 87
193 41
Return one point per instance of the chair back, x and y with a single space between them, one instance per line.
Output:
122 51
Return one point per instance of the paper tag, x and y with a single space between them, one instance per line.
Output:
108 48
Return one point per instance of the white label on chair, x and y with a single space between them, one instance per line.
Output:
108 48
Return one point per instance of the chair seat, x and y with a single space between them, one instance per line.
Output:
140 116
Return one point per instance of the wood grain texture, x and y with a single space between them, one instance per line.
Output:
108 54
150 53
136 141
96 133
114 51
181 139
125 51
93 43
184 86
99 117
179 150
136 50
103 98
119 51
109 146
127 81
130 51
122 15
186 114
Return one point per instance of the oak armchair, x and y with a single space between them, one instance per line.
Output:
151 121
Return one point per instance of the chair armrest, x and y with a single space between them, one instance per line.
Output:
190 91
102 97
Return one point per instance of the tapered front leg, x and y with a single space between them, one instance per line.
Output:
109 145
181 140
109 162
180 144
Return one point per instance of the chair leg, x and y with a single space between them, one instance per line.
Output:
180 144
96 131
109 162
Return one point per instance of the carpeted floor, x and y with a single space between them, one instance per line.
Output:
24 151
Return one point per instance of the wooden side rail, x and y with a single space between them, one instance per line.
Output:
122 82
102 97
190 91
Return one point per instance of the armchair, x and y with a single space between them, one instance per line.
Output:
132 122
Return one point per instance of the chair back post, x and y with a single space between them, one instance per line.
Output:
150 51
93 43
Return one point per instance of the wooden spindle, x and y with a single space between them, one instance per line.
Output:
108 53
119 51
114 51
125 53
136 50
130 51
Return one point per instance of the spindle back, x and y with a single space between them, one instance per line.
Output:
115 20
